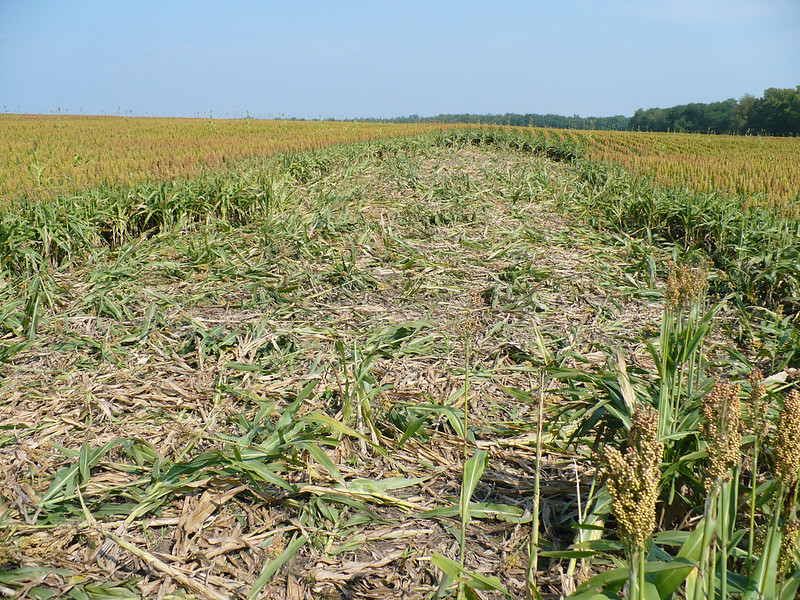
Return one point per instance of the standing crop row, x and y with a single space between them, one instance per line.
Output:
737 165
48 155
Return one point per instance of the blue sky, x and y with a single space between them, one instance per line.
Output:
346 59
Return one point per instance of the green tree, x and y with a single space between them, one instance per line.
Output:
777 113
742 113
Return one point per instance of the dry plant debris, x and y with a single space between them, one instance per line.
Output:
270 409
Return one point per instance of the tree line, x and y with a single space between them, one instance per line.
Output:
777 112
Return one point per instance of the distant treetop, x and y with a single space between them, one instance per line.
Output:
777 112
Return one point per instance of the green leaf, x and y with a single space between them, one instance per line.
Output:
762 584
517 394
668 580
470 594
412 429
237 366
319 455
690 555
67 478
567 553
386 484
592 595
474 580
789 589
473 471
541 345
598 545
23 575
260 471
650 592
621 574
482 510
667 567
671 537
289 412
84 460
272 567
336 425
587 527
624 382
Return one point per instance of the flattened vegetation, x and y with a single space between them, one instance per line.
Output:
275 409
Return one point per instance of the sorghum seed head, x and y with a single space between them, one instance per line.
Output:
722 431
473 320
685 286
787 440
633 479
787 559
644 435
758 406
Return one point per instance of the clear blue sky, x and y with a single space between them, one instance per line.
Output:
379 58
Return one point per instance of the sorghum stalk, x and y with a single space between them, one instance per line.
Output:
758 418
685 291
463 553
468 329
533 551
